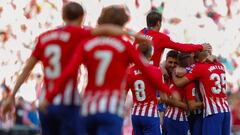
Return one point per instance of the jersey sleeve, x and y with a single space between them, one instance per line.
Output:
195 73
67 73
37 51
166 42
190 91
153 75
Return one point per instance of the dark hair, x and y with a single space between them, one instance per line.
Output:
183 59
153 18
145 49
72 11
113 15
172 54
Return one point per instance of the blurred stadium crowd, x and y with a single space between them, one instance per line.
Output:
213 21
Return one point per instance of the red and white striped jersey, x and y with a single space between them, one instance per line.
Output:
54 49
103 101
144 95
148 109
212 86
177 113
107 60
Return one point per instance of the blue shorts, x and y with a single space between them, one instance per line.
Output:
60 120
102 124
143 125
195 124
161 107
175 127
217 124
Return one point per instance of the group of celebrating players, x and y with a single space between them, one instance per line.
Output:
191 82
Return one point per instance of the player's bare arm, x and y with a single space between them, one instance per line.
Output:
110 29
179 81
7 105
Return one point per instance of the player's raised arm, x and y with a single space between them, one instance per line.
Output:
115 30
166 42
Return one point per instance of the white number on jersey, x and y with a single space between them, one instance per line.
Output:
53 51
220 80
105 58
139 87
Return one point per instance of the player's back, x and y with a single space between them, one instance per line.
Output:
107 60
144 95
54 49
212 79
156 38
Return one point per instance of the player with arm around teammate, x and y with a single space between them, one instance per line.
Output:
54 49
216 116
162 41
193 95
106 59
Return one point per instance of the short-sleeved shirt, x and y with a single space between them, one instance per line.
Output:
54 49
212 79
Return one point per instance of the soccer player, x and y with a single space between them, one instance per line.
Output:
54 49
175 120
162 41
107 60
193 96
212 77
167 66
145 117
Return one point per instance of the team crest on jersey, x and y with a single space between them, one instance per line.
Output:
190 68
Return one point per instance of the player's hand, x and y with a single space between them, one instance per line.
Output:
163 98
8 105
207 47
43 106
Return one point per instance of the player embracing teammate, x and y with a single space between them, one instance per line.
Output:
107 59
212 83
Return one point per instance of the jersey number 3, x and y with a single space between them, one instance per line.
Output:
53 70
